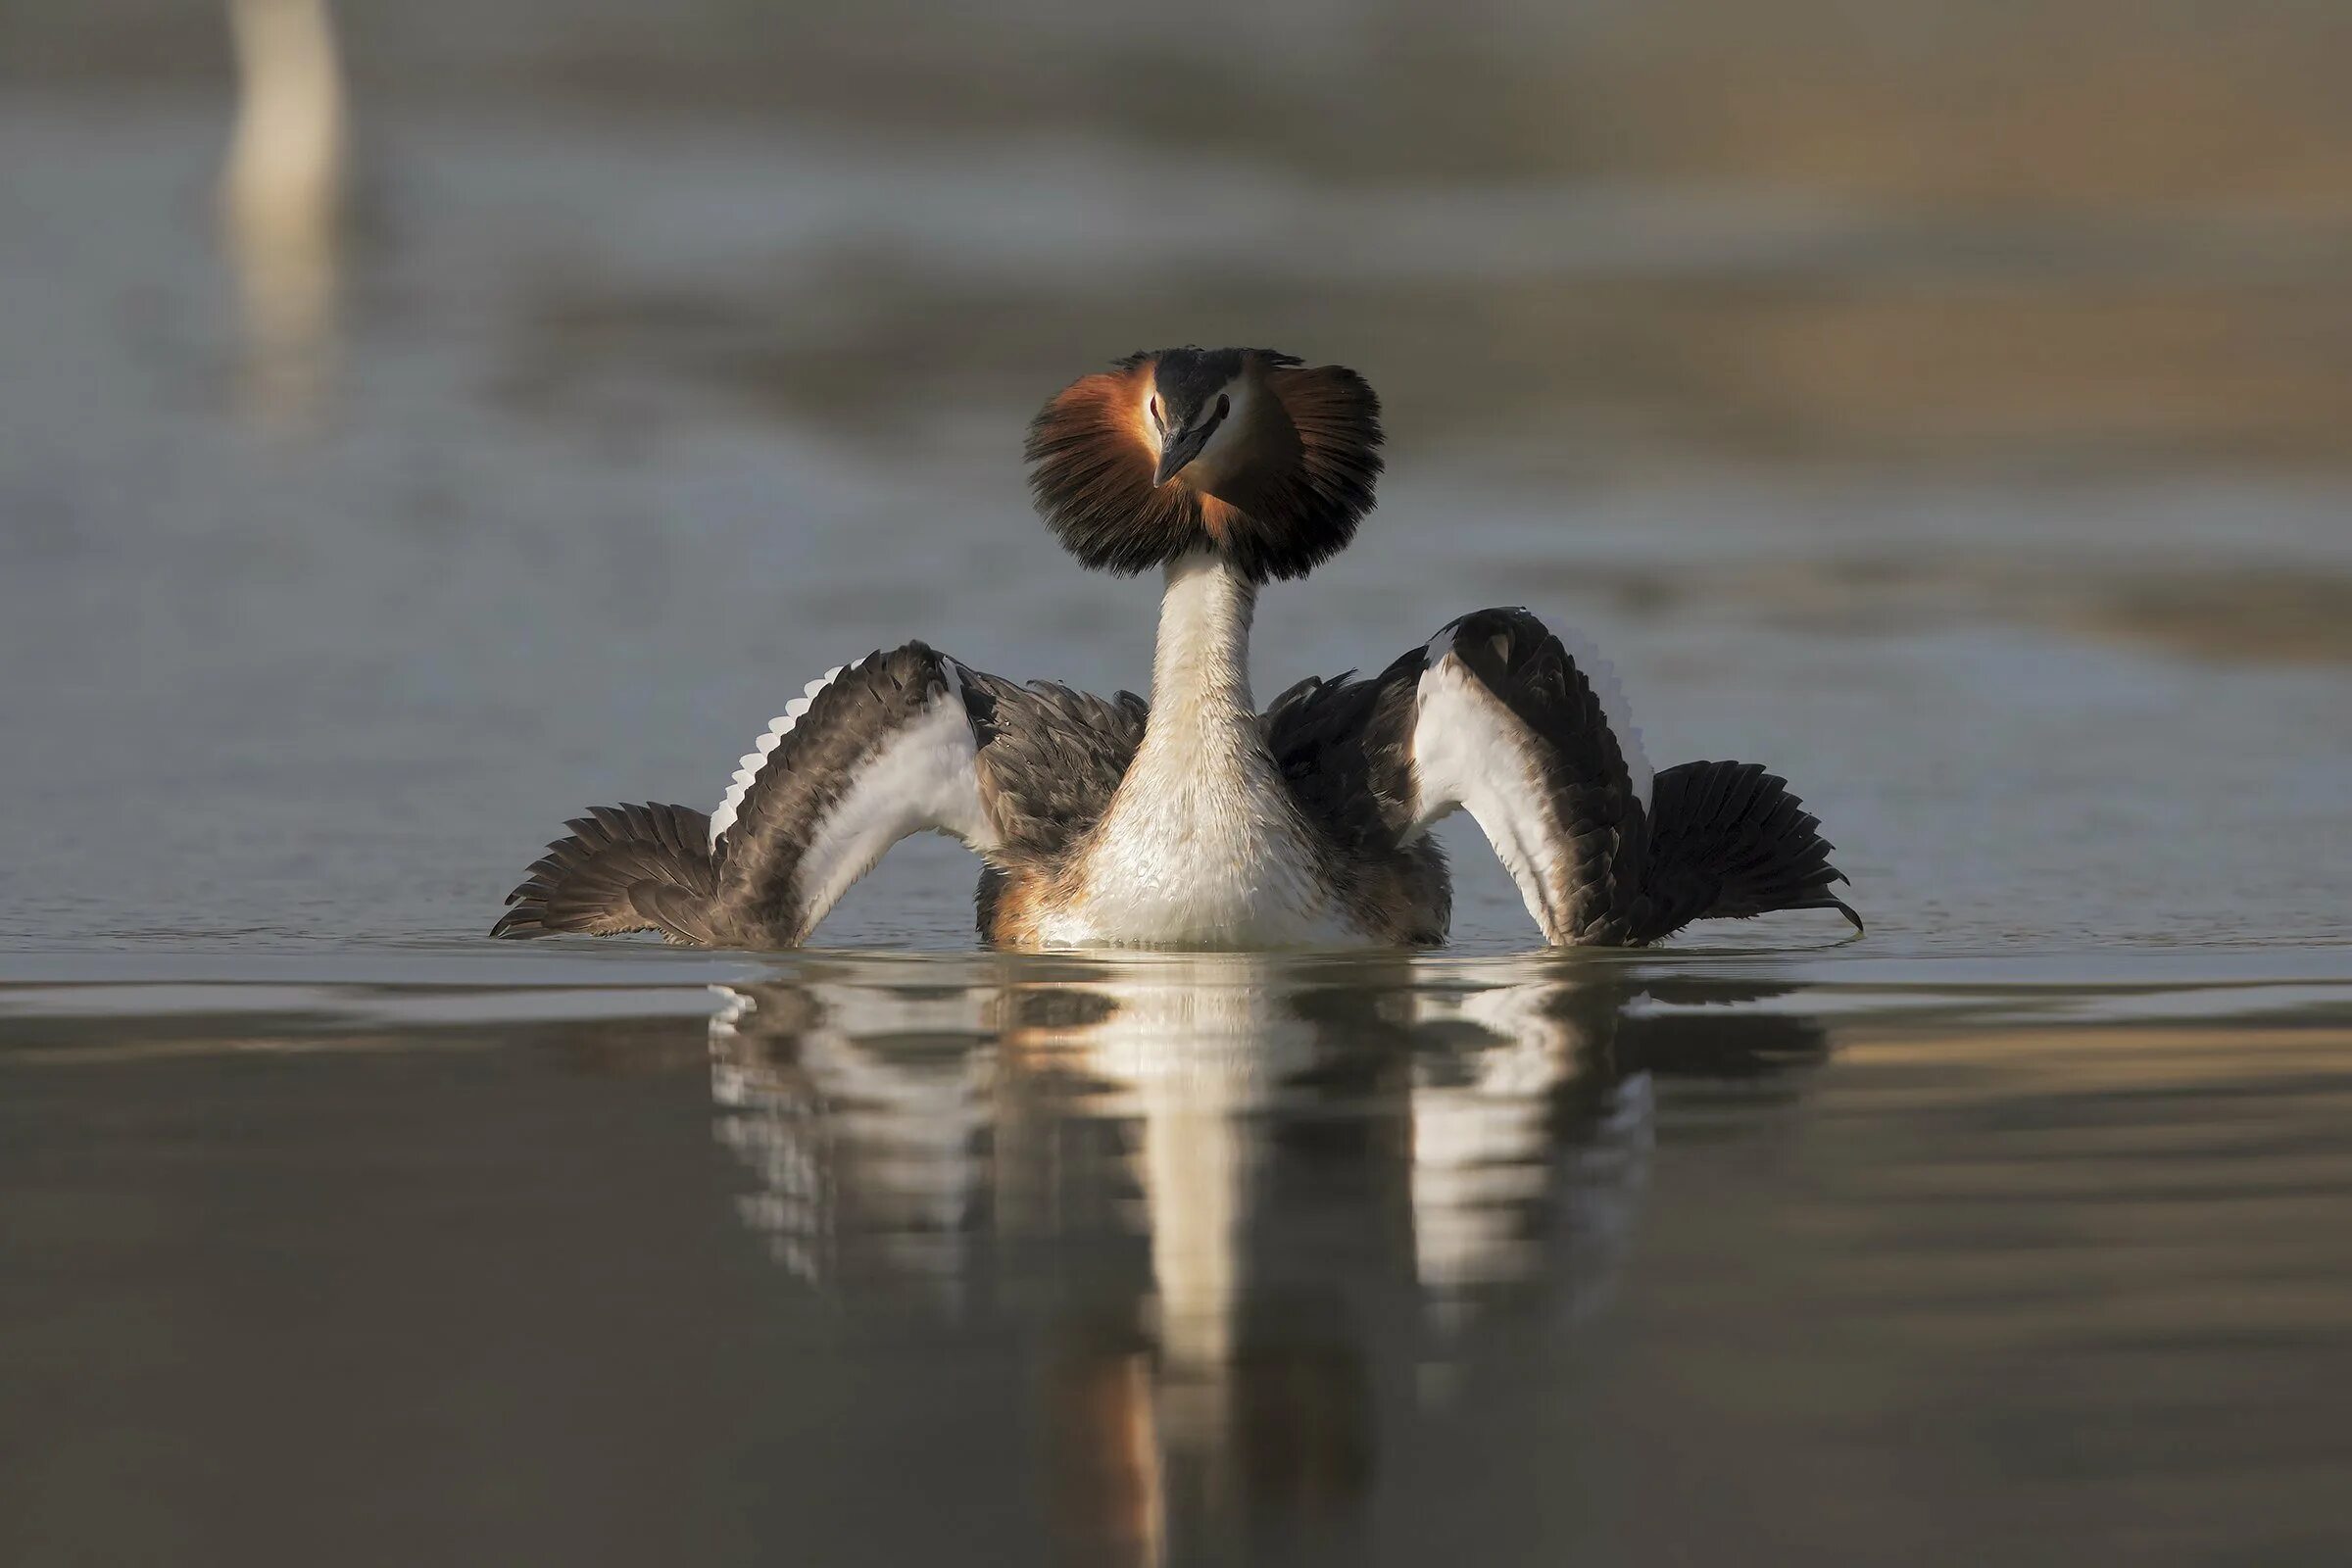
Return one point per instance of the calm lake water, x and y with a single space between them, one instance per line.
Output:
2019 1230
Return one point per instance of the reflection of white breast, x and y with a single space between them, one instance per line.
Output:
1196 1055
887 1122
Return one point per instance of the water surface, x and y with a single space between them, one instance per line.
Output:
876 1259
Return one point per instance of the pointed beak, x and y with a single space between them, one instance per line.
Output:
1181 449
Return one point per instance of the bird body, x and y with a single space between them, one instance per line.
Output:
1196 820
1202 844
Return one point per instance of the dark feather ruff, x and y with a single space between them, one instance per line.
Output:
1311 507
1091 471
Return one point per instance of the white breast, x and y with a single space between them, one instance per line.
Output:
1202 846
1201 857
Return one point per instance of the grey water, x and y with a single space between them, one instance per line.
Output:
331 1231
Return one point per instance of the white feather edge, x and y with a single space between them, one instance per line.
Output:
1469 752
1601 675
748 766
925 778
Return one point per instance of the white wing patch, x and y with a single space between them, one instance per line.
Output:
926 778
1469 752
748 766
1601 677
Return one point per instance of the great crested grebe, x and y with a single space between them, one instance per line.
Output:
1195 821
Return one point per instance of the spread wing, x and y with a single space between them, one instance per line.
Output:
901 743
1500 717
876 751
1494 716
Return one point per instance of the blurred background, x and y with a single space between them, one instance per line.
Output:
422 423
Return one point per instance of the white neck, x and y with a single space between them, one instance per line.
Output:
1203 845
1200 670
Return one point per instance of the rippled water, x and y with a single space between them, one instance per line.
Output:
2017 1229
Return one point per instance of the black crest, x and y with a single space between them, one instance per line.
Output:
1187 378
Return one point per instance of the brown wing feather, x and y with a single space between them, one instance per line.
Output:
1344 748
1051 758
623 868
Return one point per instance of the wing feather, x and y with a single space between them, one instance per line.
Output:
905 742
1051 758
1528 732
1511 728
879 750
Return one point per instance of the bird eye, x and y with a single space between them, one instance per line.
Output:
1224 405
1156 410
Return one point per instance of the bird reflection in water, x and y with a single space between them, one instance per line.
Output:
1241 1202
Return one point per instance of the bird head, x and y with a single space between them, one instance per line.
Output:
1246 451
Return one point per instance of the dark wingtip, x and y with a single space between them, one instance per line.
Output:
587 883
1840 905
